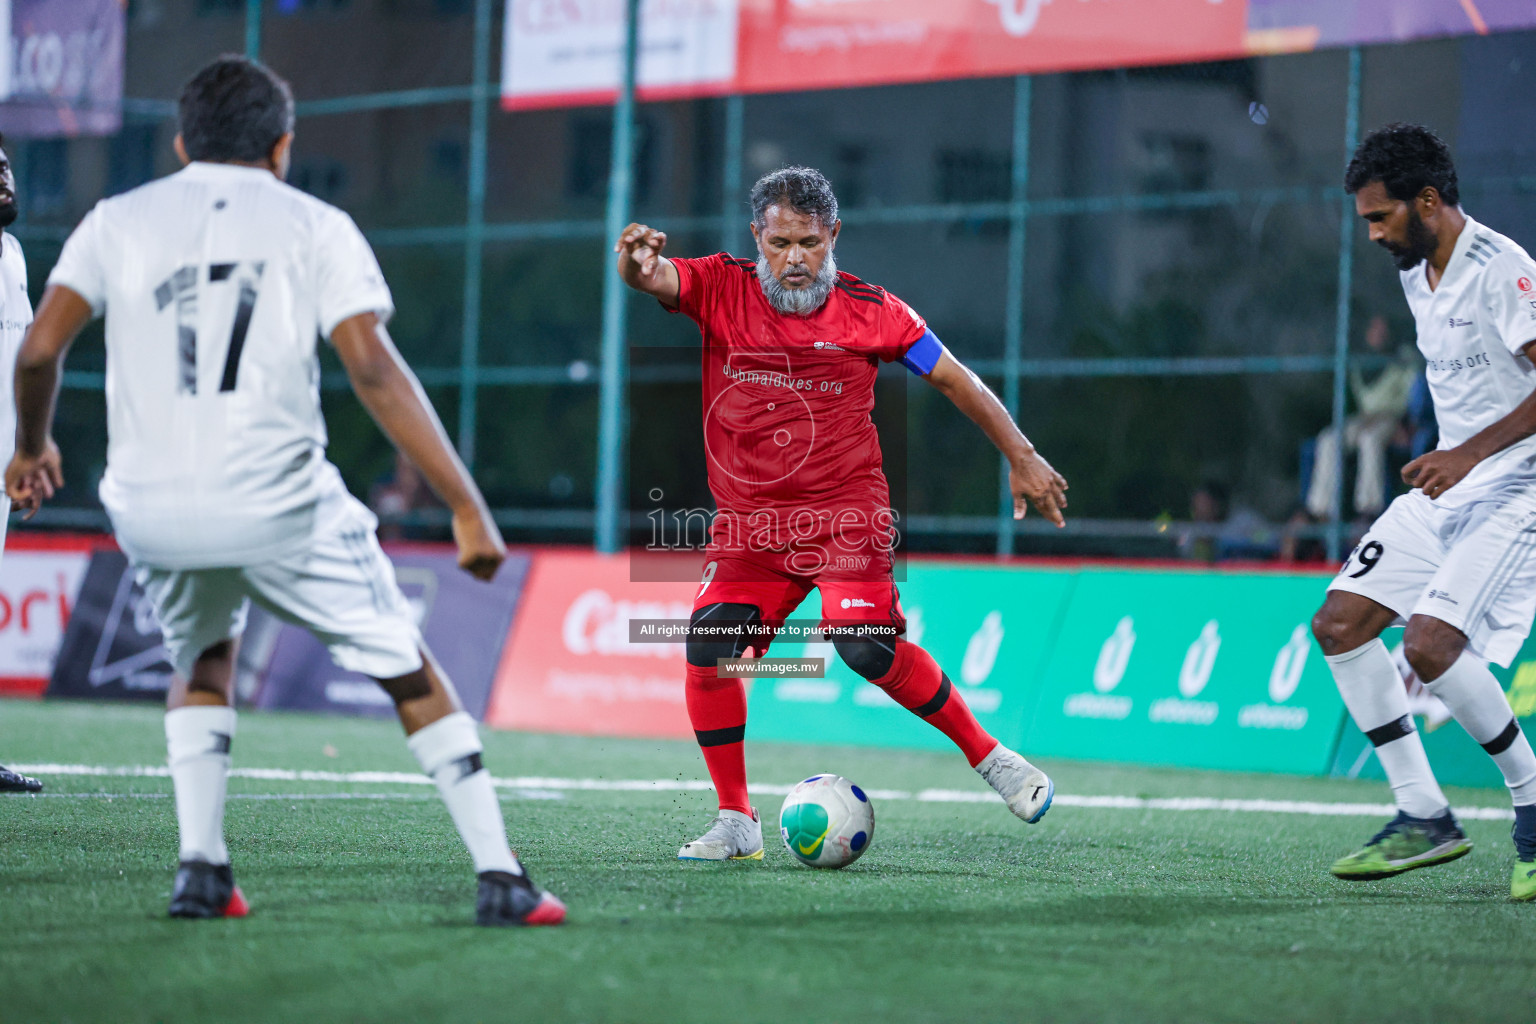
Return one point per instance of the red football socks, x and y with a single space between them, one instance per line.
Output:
717 709
917 684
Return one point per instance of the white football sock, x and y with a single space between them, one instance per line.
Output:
1377 701
197 742
1478 702
449 751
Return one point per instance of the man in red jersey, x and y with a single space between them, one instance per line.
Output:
792 347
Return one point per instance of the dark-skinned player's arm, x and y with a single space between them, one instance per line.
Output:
393 397
644 268
1030 477
1436 472
35 472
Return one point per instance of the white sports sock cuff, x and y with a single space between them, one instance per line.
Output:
1522 783
1358 652
191 731
446 740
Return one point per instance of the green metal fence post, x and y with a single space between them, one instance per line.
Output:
1013 315
610 424
474 235
730 174
253 28
1341 311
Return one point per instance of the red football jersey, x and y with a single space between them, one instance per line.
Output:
787 399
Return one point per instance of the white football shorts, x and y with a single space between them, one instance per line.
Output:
1472 567
340 587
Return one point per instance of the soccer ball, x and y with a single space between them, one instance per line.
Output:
827 822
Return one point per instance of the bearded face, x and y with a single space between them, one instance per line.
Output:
795 265
1417 247
8 209
795 291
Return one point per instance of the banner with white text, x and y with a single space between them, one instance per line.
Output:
63 72
38 588
568 52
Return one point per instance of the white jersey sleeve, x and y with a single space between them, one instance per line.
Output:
350 281
80 267
1509 291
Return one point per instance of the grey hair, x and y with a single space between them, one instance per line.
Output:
803 189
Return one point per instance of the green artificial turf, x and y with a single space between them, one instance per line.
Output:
361 907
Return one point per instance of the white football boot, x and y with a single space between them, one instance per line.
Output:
1026 789
731 836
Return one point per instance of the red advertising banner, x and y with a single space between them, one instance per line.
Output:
566 52
569 665
818 44
40 578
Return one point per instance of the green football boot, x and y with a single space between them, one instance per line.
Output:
1406 843
1522 884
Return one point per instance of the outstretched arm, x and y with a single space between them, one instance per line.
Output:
643 267
393 397
1030 477
35 471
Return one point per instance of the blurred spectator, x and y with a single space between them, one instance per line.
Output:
1380 405
400 494
1219 530
1207 507
1296 542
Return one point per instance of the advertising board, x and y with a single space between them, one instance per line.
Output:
568 52
39 582
62 73
1195 668
570 665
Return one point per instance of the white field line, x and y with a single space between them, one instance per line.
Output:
537 787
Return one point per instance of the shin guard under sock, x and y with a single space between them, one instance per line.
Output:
1478 702
1373 692
448 750
717 709
197 740
917 684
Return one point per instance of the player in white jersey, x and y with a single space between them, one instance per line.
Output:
1455 557
215 283
15 316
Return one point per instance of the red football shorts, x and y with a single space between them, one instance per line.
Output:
764 580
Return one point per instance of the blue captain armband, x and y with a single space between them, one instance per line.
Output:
924 354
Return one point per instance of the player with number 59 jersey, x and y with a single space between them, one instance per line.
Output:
1454 559
220 279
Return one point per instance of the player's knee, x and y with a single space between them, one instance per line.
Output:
213 671
1337 633
721 631
1431 646
870 658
